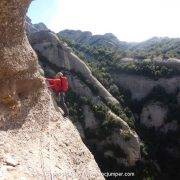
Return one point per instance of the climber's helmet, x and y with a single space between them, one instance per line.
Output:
59 74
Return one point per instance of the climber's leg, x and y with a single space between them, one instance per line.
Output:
63 104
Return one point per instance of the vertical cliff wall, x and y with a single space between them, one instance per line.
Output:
36 142
18 72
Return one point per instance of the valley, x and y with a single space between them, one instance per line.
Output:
113 96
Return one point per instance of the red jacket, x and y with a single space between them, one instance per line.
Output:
59 84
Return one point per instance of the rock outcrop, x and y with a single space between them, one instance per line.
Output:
36 141
59 54
122 136
86 38
32 28
154 115
141 86
60 57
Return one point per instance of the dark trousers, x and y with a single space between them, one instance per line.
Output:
62 103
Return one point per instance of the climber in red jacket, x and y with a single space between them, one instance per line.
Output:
60 86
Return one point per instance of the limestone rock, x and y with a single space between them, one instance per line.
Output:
86 38
11 160
127 140
41 27
32 28
31 128
90 120
49 45
77 36
141 86
153 115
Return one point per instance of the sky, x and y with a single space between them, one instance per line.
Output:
129 20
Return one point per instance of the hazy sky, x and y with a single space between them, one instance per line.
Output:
129 20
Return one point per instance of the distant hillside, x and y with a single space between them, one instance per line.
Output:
145 77
86 38
155 47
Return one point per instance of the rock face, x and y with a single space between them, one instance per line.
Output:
38 142
153 115
122 137
58 53
90 120
77 36
60 57
18 72
141 86
86 38
32 28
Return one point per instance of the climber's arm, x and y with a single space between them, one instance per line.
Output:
51 82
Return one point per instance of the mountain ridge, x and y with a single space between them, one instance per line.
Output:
163 47
153 38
